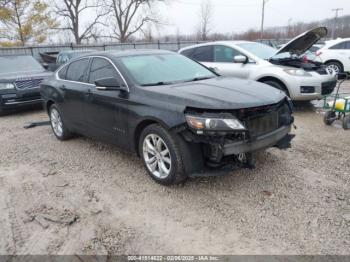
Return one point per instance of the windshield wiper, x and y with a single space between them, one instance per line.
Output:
158 84
199 78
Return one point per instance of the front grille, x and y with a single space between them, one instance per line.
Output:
265 119
263 124
28 84
328 87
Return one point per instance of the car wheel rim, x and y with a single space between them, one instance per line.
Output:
157 156
56 122
335 68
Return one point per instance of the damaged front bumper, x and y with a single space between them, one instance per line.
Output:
259 143
221 160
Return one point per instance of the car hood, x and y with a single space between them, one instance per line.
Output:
303 42
219 93
15 76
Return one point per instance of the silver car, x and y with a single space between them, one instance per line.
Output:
284 69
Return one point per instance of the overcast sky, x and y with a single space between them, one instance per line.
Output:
240 15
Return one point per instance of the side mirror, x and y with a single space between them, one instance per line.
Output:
109 83
241 59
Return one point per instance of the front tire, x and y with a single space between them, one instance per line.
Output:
161 155
58 127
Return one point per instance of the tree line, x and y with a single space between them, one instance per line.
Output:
24 22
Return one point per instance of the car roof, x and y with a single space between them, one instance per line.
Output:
131 52
230 43
336 41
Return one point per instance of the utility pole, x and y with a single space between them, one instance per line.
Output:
263 18
336 10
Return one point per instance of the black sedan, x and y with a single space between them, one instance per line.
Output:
181 118
20 77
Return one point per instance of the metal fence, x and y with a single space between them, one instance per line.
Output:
35 50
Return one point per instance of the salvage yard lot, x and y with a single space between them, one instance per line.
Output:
85 197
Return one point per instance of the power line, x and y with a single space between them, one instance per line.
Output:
336 10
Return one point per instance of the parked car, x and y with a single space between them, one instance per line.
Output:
181 118
63 57
336 55
20 77
283 68
310 55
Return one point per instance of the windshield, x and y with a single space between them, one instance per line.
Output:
262 51
11 64
164 69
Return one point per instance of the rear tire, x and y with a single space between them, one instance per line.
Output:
58 127
277 85
161 155
329 118
336 66
346 122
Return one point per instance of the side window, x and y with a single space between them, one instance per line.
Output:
224 54
63 73
339 46
187 53
77 70
101 68
347 45
203 54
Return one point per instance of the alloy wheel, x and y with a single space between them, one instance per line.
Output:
334 68
56 122
157 156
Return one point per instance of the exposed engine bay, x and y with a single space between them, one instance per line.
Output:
298 62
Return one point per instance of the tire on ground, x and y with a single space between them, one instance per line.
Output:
177 171
66 134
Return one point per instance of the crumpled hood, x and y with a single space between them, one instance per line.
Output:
303 42
219 93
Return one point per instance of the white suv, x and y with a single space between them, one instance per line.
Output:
336 55
283 68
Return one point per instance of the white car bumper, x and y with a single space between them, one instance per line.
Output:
311 87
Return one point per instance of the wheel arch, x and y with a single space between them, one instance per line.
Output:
272 78
48 104
141 126
335 60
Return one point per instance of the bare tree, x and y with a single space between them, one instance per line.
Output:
206 16
130 16
72 12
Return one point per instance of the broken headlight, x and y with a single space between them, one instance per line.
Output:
6 86
201 124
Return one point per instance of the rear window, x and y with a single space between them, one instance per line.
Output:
77 70
203 54
187 53
343 45
11 64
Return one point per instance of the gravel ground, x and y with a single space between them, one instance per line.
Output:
85 197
